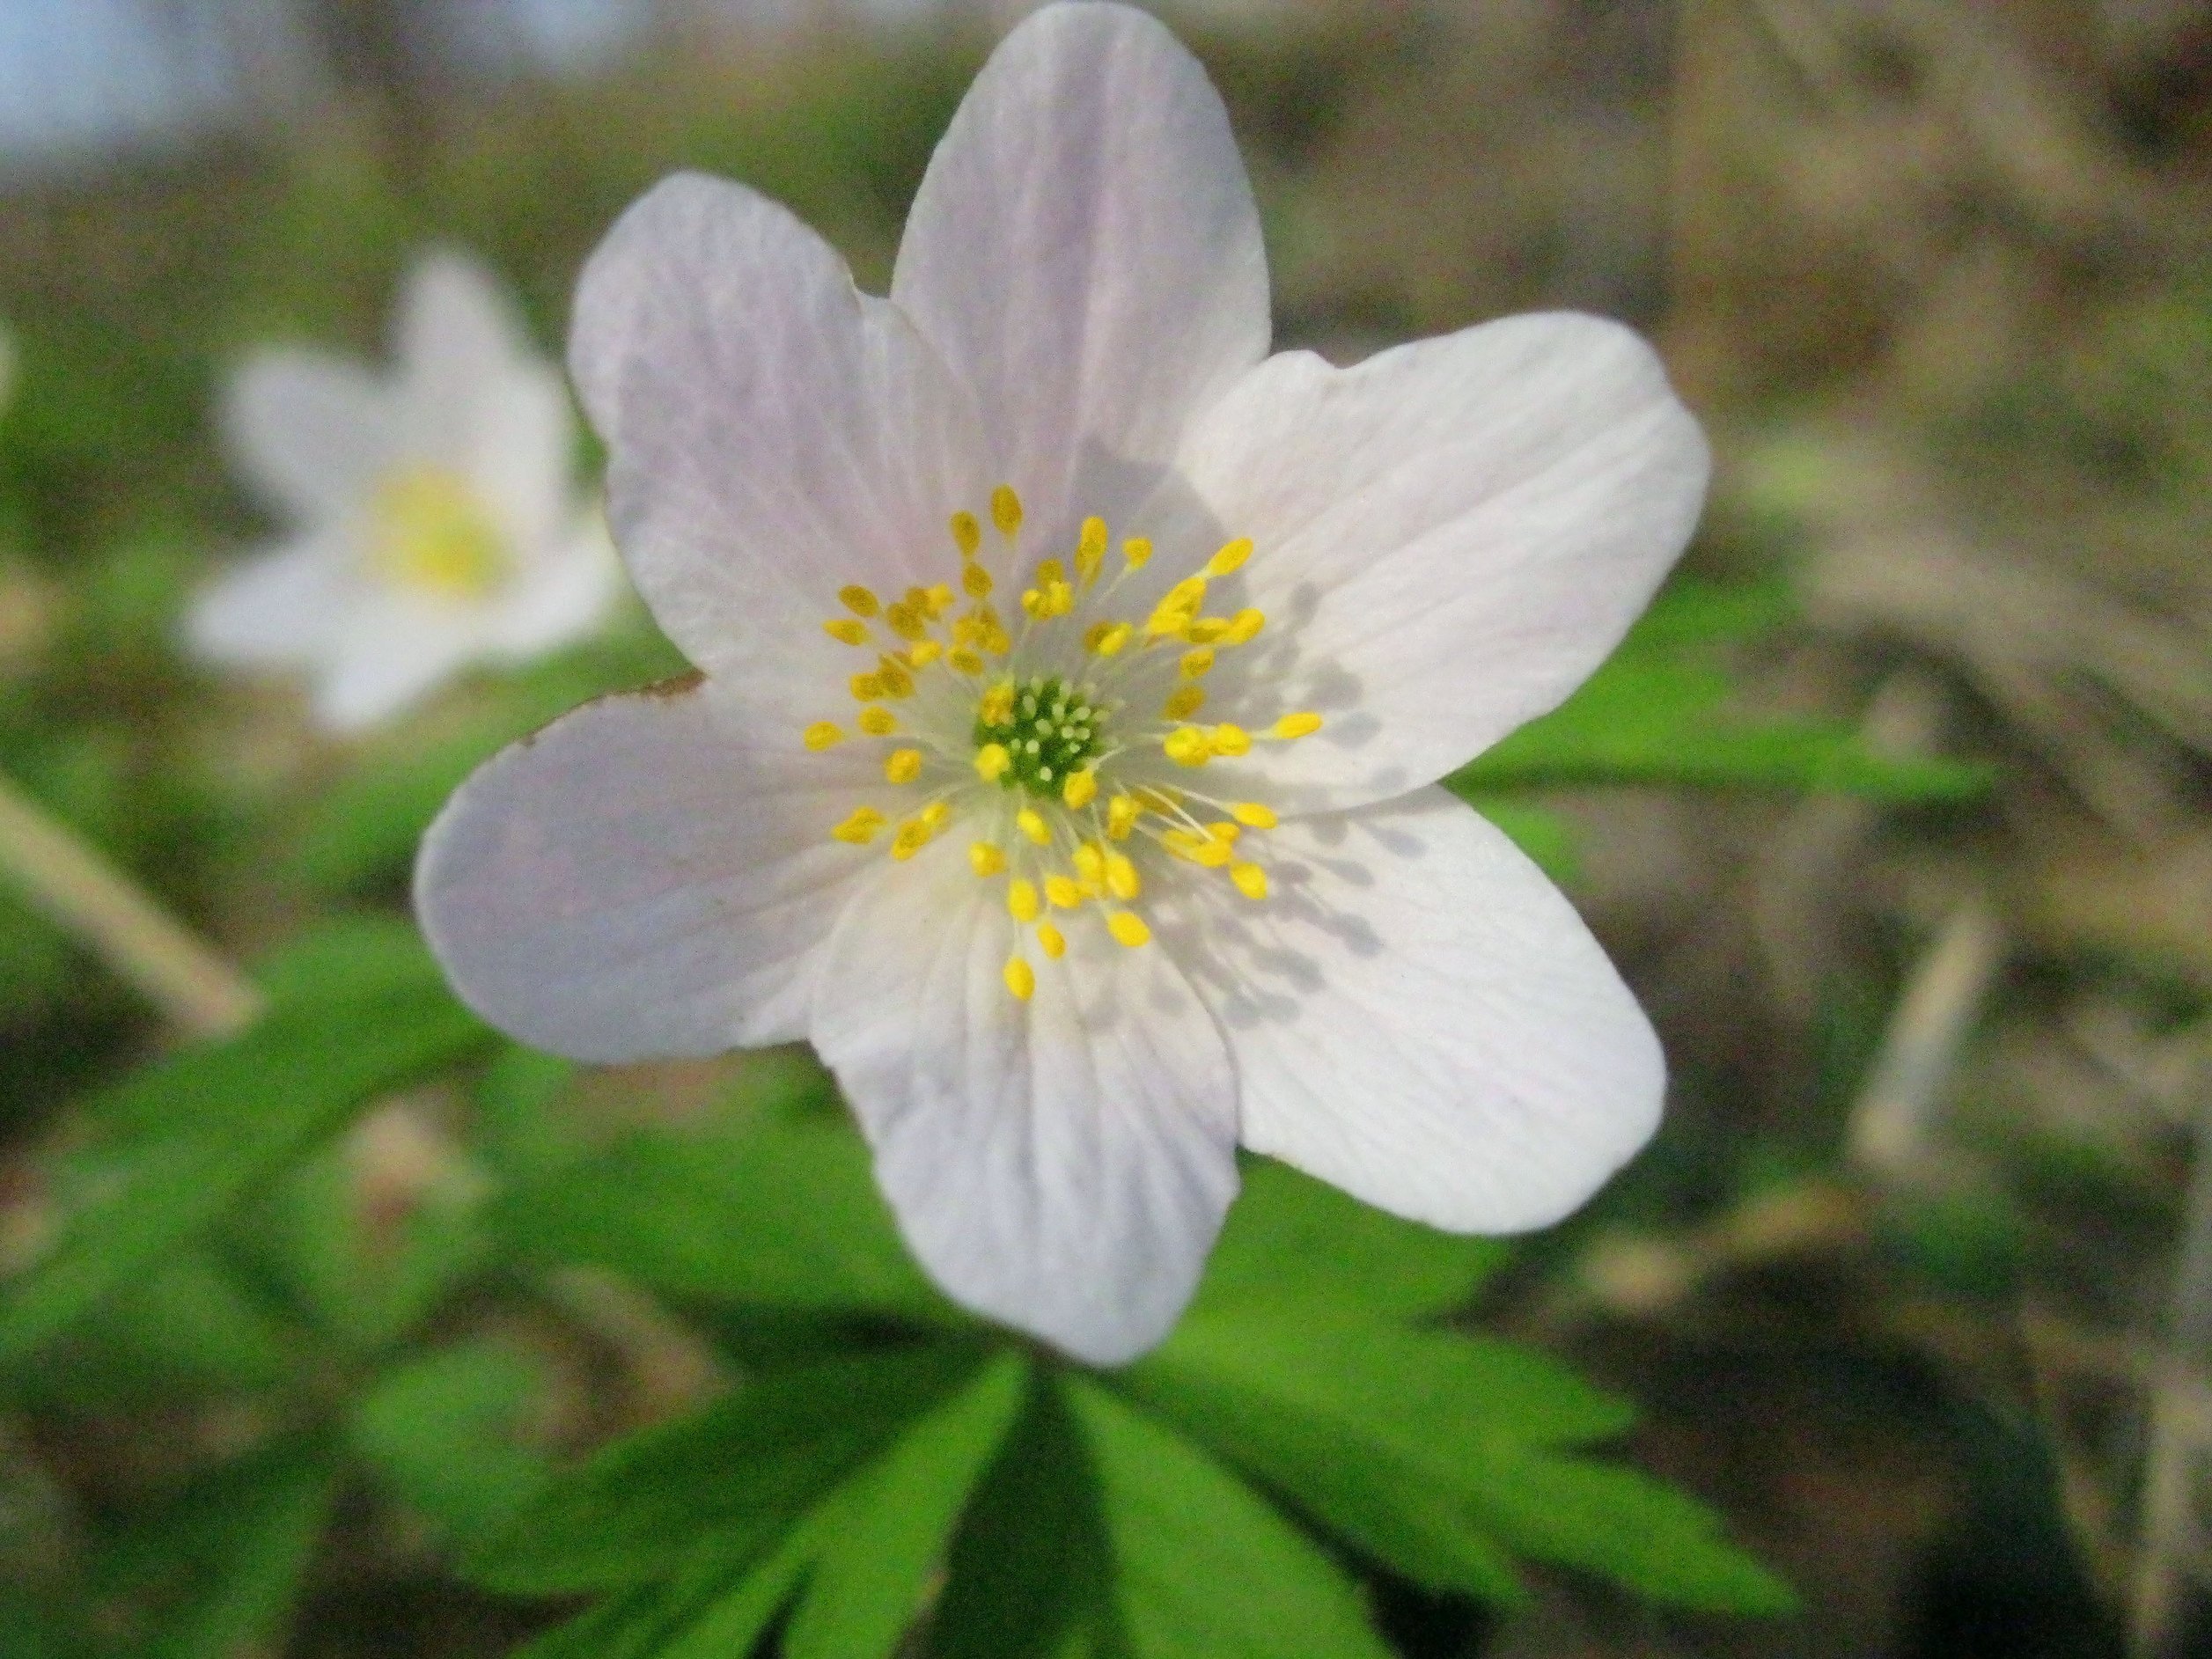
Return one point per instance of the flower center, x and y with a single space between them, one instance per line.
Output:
428 534
1064 744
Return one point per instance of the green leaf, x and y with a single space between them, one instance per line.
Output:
890 1524
740 1474
229 1116
444 1431
1292 1240
1204 1567
1617 1521
516 1131
782 1216
1548 838
221 1566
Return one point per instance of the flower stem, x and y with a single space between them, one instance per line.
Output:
84 894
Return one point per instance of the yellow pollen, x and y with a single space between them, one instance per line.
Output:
937 600
965 660
1106 639
1184 702
1049 571
936 816
1137 552
1251 881
1006 511
1243 626
1173 614
902 766
1222 830
1080 789
1121 813
997 706
1021 900
859 600
975 581
1187 745
967 535
894 677
1207 629
1091 549
877 722
906 621
823 734
1231 557
861 827
923 653
1055 946
986 858
991 762
1252 815
431 534
913 836
867 688
1090 865
1121 876
846 630
1197 664
1302 725
1063 892
1230 740
1128 927
1032 826
1021 978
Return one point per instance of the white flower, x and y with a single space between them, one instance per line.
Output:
433 522
1075 681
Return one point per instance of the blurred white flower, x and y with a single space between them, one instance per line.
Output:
432 517
962 569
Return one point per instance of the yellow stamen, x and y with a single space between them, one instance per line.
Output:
861 827
986 858
1251 881
1184 702
1021 900
1122 877
991 762
1197 664
822 734
913 836
906 621
936 816
967 535
975 581
965 660
1252 815
877 722
1301 725
1137 551
1243 626
1080 789
1223 830
1207 629
1121 813
923 653
867 688
1049 571
1030 825
1063 892
894 677
1055 946
1021 978
1230 740
1187 745
1006 511
998 707
1128 927
1231 557
859 601
1090 548
902 766
1174 613
1089 863
846 630
1106 639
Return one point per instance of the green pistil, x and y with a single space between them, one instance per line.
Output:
1054 730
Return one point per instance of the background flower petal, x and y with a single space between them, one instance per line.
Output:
1063 1164
309 431
650 875
390 653
1085 253
1419 1016
1450 536
279 607
774 433
563 597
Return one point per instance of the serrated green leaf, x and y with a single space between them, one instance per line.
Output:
782 1216
227 1117
892 1522
1617 1521
1290 1240
740 1474
219 1570
1203 1566
444 1431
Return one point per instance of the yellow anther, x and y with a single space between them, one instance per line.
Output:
1231 557
877 722
1032 826
1210 853
1090 548
902 766
1121 876
1081 789
1159 800
1021 978
1032 602
975 581
1230 740
1021 900
965 660
822 734
1128 927
1137 552
1184 702
1106 639
905 621
1251 881
1049 571
936 816
859 600
967 535
1186 747
936 599
1059 598
1173 614
1090 862
1197 663
1302 725
1121 813
867 688
1055 944
1243 628
846 630
1006 511
991 762
894 677
1252 815
1063 892
986 858
1207 629
1222 830
998 707
913 836
922 653
861 827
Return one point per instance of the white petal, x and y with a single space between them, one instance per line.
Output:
774 435
390 653
651 875
1418 1017
311 433
1450 536
281 608
1085 253
563 596
1063 1164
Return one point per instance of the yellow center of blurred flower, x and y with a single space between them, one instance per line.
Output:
429 534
